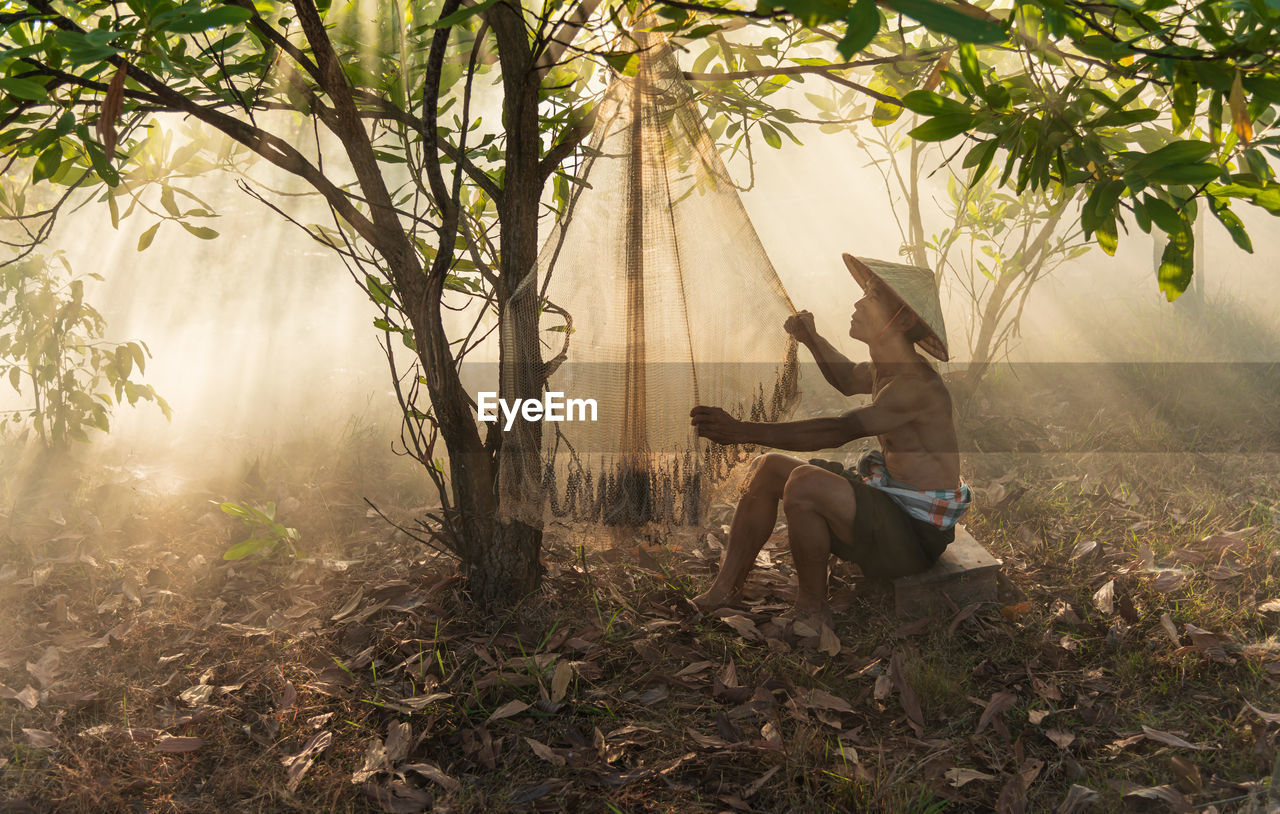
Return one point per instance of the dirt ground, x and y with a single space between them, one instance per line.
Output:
1130 664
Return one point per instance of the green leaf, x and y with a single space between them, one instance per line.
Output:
885 113
101 166
144 240
202 232
1163 214
808 12
928 103
462 14
1194 174
1107 236
1178 152
377 291
1184 97
623 63
243 549
1177 264
1232 223
47 164
980 158
167 201
969 67
941 128
944 19
24 88
863 23
213 18
771 136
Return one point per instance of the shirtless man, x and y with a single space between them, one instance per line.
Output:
890 525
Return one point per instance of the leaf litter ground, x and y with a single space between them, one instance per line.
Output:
1131 663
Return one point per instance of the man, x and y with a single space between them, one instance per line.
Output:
895 515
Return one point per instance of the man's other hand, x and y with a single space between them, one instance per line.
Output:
714 424
800 325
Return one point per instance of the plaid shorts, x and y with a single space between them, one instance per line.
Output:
887 542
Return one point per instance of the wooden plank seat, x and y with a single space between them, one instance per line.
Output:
966 572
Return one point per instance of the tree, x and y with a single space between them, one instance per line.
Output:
1148 108
993 249
429 202
51 342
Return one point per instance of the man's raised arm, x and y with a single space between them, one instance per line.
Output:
848 377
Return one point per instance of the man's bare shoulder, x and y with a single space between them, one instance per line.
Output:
920 387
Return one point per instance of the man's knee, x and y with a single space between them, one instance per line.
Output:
770 472
807 488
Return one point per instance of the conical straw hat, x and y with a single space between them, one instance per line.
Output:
915 287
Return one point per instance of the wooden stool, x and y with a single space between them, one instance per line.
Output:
966 572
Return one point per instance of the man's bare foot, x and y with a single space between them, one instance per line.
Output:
809 620
714 599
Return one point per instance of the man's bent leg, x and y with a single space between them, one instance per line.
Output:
753 522
818 505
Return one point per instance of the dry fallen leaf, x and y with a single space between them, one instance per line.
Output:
957 777
375 761
1270 606
1186 775
433 773
1210 643
882 687
1062 610
1168 579
1170 739
1170 629
196 694
907 695
1269 717
1015 612
45 670
1061 737
828 642
507 710
297 765
1083 549
40 739
545 752
560 681
28 697
758 783
999 703
1105 597
1223 572
170 743
1147 556
961 615
803 629
1078 800
399 735
771 733
745 627
821 699
1175 799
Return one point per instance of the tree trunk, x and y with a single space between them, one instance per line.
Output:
497 487
508 567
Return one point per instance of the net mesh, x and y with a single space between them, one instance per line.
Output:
672 302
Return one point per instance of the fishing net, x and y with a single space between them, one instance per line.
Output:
670 302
